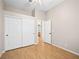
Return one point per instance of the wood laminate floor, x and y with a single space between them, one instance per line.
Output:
0 54
39 51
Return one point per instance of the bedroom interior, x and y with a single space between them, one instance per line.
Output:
39 29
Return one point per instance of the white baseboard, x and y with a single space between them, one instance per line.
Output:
2 51
66 49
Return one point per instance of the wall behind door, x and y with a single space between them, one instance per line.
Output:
65 18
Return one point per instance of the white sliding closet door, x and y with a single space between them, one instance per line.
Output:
47 33
13 32
28 31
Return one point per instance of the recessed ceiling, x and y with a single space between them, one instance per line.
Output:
21 4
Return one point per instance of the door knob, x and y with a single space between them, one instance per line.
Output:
6 35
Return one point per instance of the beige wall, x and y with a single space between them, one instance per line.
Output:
1 27
66 24
39 14
11 9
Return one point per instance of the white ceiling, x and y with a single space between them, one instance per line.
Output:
21 4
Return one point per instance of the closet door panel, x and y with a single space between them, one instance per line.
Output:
12 32
28 31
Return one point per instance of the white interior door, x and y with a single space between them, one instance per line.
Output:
13 32
47 33
28 31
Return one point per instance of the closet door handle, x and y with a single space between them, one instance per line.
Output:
50 33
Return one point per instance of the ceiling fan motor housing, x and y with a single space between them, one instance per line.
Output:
30 1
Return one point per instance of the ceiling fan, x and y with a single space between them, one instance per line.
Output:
33 3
